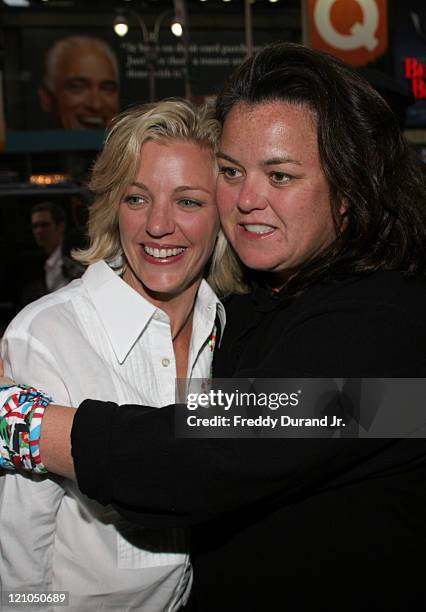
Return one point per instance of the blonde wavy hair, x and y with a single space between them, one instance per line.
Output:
116 168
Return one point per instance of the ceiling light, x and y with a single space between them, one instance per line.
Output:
121 27
177 28
17 2
49 179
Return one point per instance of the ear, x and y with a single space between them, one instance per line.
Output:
344 207
343 214
46 99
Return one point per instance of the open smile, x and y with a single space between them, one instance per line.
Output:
91 121
256 230
164 254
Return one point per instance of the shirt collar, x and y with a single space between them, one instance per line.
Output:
54 257
123 312
207 302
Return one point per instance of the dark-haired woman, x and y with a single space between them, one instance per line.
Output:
324 205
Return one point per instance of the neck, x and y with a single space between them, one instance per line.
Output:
51 249
179 308
180 313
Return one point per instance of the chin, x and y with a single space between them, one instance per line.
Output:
254 262
165 288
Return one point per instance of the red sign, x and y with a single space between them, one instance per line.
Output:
354 30
415 72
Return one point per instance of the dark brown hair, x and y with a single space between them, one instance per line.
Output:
364 157
56 211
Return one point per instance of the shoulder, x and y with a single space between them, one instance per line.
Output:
371 325
385 291
374 325
381 286
48 308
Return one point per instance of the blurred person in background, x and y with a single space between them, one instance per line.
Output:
80 87
49 228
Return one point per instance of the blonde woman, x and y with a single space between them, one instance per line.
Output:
140 317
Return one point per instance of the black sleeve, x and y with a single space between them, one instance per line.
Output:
130 457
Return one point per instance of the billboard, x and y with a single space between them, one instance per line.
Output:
60 82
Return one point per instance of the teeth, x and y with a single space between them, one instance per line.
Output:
92 120
163 253
259 229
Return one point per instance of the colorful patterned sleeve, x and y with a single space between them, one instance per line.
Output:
21 415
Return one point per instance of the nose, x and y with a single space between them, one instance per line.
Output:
160 221
250 197
94 98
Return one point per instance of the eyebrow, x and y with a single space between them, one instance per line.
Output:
227 157
177 190
280 160
273 161
191 188
140 185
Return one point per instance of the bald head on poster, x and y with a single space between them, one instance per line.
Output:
80 87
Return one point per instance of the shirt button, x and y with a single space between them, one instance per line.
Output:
165 362
157 315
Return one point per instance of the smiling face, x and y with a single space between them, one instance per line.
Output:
85 94
168 219
273 197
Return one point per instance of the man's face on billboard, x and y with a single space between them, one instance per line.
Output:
85 90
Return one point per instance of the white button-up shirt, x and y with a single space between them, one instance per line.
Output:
96 338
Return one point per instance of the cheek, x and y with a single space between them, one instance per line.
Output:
224 195
111 99
225 212
204 230
71 100
126 226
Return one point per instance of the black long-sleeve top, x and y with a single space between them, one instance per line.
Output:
317 523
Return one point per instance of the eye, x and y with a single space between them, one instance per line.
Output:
109 86
187 203
230 173
279 178
134 200
75 85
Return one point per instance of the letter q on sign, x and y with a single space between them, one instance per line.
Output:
353 30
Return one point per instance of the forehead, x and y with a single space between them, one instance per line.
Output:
165 149
41 215
87 61
270 126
